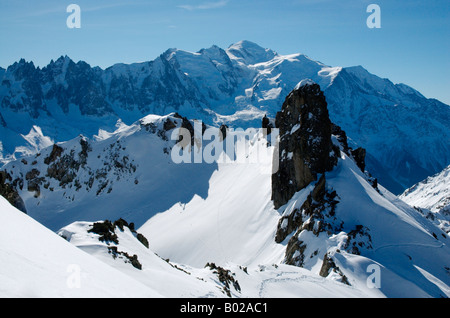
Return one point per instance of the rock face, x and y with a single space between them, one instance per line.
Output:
305 148
317 214
10 193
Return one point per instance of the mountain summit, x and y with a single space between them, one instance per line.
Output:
250 53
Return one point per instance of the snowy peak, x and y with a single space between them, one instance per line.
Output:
62 60
432 194
431 197
380 86
250 53
304 82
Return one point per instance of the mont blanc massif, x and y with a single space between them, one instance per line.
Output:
225 173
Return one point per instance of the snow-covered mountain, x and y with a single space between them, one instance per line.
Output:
406 135
432 193
432 198
214 229
66 182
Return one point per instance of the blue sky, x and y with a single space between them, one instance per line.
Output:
412 46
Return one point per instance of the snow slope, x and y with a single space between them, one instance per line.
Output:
234 222
38 263
431 197
156 273
175 280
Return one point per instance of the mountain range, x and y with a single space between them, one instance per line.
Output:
431 197
406 135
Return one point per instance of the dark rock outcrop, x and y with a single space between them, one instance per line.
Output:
267 125
329 266
309 147
358 239
317 214
10 193
305 148
226 277
360 158
107 233
56 153
34 182
341 137
223 130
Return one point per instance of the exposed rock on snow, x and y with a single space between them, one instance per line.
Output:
305 148
10 193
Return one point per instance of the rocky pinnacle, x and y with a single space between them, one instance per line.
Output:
305 148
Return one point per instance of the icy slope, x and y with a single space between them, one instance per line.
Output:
38 263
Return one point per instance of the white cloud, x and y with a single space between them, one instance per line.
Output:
205 5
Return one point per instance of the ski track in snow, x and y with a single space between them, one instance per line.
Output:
408 245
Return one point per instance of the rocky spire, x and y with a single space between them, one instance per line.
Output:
305 148
10 193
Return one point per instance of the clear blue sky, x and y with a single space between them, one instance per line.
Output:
412 46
